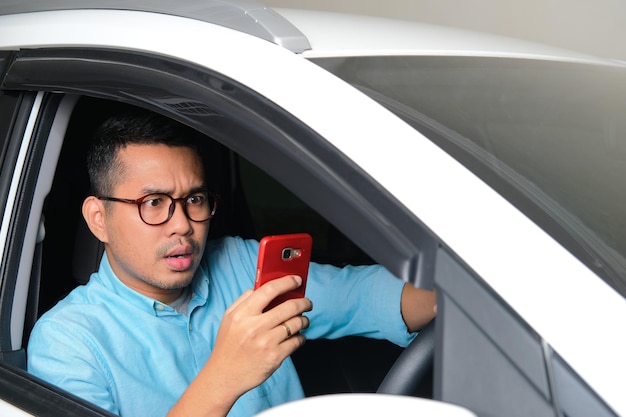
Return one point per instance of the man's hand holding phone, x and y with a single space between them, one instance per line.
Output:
253 342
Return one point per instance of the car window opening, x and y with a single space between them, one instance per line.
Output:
253 205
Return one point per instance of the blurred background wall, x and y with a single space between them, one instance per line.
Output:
592 26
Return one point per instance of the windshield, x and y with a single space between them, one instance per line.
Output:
550 137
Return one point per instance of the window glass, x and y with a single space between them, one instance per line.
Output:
551 137
274 210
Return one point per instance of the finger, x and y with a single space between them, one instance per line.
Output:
272 289
287 310
297 324
291 344
240 300
291 327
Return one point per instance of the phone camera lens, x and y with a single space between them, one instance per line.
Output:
286 255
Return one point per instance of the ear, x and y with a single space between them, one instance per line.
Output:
95 216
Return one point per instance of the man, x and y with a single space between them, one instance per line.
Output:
169 325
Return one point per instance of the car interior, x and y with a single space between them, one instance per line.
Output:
252 205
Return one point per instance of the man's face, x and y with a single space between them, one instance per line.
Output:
159 260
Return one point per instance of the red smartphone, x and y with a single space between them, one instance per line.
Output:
281 255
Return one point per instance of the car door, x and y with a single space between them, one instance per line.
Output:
25 125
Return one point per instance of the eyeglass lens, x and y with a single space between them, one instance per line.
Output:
158 208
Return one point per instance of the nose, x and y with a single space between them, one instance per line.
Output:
179 222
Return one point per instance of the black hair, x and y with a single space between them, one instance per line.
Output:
138 127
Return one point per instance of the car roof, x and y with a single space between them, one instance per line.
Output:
338 34
323 34
246 16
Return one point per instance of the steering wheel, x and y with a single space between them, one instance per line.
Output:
412 365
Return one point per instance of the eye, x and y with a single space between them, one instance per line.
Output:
196 199
153 201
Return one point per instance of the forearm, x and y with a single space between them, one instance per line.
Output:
417 306
209 395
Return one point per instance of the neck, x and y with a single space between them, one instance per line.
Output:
165 296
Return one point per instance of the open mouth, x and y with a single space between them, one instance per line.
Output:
180 259
179 262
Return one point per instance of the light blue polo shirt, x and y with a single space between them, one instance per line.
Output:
135 356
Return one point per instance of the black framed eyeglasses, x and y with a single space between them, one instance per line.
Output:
157 209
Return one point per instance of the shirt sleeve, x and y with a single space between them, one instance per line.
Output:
356 301
61 356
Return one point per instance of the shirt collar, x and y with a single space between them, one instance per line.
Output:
199 284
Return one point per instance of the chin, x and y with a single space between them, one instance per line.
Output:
177 281
181 283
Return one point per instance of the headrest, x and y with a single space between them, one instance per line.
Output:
87 253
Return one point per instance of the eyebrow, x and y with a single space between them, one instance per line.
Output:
148 191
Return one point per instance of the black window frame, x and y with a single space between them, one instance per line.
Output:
254 128
42 399
16 107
